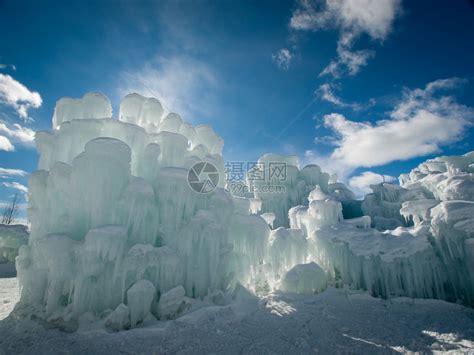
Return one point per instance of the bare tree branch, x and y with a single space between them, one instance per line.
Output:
10 212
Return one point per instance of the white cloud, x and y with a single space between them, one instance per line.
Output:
347 61
6 172
373 17
18 96
5 66
184 85
325 140
326 92
361 183
420 124
351 18
17 186
6 145
18 133
283 58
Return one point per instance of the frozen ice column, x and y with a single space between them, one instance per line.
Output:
91 105
115 224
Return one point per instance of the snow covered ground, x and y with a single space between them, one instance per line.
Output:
9 295
335 321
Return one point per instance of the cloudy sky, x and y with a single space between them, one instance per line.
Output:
364 88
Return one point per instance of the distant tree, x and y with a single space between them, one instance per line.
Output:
10 212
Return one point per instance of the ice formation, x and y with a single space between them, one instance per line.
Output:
171 303
12 237
443 178
139 299
115 224
117 230
428 255
92 105
384 203
322 211
294 186
119 319
278 194
423 242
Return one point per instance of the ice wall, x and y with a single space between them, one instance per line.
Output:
278 194
384 203
286 189
424 244
395 263
287 248
452 228
322 211
115 223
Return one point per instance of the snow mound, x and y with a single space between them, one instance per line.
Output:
304 279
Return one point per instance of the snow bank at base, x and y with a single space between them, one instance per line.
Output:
334 321
9 296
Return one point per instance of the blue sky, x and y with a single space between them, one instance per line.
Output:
343 84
